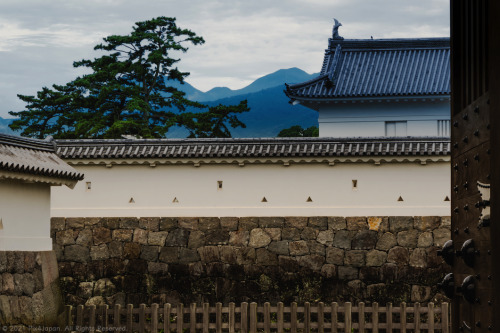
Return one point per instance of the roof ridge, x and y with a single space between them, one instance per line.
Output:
24 142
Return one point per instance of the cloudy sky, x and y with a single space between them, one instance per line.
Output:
40 39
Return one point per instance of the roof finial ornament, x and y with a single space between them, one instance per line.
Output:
335 31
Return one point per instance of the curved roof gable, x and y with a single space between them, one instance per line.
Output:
380 68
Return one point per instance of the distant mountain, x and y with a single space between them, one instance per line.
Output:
269 112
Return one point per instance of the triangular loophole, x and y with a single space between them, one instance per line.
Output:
175 200
264 199
131 200
447 198
309 199
400 198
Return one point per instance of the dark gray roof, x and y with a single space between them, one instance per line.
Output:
380 68
35 157
262 147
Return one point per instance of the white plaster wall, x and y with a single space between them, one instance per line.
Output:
25 214
368 119
423 188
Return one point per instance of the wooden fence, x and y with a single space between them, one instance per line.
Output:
253 318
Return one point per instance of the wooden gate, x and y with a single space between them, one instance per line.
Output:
475 166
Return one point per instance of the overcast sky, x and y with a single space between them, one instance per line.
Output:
40 39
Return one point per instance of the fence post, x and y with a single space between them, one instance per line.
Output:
280 317
69 319
348 316
293 318
403 317
389 317
321 317
167 309
361 316
244 317
253 317
430 317
79 315
116 316
154 317
130 318
445 315
416 306
375 317
231 317
142 318
307 317
218 317
92 318
206 317
180 317
335 308
267 317
192 318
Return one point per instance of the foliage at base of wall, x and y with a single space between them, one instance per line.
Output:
146 260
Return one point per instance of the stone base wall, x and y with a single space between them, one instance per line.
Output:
30 293
146 260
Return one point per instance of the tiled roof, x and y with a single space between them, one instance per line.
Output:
263 147
34 157
380 68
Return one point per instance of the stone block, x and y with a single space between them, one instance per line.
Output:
75 223
169 255
157 268
386 241
26 284
298 248
29 262
325 237
239 237
355 258
101 236
374 223
309 233
209 223
433 260
426 223
122 235
96 300
168 223
196 269
216 237
398 255
104 287
334 256
274 233
149 252
196 239
318 222
188 255
76 253
229 223
131 250
129 223
265 257
337 223
157 237
400 223
65 237
316 248
446 222
190 223
111 223
248 223
356 223
408 238
149 223
312 261
329 271
18 283
389 272
140 236
7 284
369 273
57 223
418 258
342 239
99 252
364 240
420 293
279 247
288 264
84 237
229 254
3 261
441 236
177 237
425 239
375 258
376 290
259 238
115 249
290 234
209 254
271 222
347 273
297 222
92 221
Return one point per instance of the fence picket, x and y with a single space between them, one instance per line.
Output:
445 326
403 317
348 316
375 317
167 310
334 317
389 317
142 318
206 317
267 317
321 317
293 318
154 317
180 318
130 318
361 317
92 318
231 317
280 317
218 317
104 320
244 317
416 308
192 318
69 318
116 316
430 317
253 317
307 317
